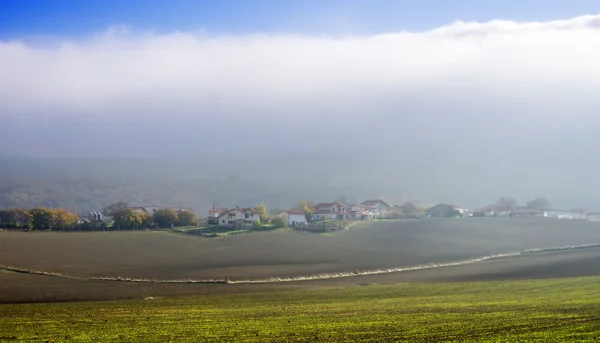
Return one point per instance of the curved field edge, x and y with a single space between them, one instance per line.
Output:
327 276
556 310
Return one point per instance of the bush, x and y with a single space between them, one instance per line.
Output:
278 222
257 224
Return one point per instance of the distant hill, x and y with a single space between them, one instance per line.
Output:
87 184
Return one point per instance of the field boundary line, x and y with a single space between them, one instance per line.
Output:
324 276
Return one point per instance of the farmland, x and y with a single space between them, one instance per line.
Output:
543 296
284 253
526 311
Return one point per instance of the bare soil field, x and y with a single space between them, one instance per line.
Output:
164 256
26 288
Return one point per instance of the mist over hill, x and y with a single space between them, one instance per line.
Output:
85 184
464 113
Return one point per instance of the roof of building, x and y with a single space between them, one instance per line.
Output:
238 209
374 201
329 204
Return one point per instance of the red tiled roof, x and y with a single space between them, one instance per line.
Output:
217 210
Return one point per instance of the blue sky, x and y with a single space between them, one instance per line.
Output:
72 18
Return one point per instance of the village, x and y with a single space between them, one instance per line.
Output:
305 214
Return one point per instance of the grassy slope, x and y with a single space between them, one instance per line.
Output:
546 310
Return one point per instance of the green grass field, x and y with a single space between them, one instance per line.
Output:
554 310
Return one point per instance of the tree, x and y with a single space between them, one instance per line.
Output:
408 208
64 220
165 218
506 204
186 218
261 209
111 209
279 221
305 207
42 218
21 217
540 204
129 219
15 218
5 219
343 199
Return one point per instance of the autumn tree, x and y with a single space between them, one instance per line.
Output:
305 207
165 218
64 220
506 204
261 209
186 218
540 204
129 219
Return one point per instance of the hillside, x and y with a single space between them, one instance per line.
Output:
83 185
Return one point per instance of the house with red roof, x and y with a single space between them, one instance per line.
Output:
380 207
331 210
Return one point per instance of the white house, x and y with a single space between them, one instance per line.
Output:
593 216
331 210
293 218
380 207
362 212
238 217
558 214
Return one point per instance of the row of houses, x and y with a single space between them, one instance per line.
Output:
448 211
369 209
244 217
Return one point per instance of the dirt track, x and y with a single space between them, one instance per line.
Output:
389 244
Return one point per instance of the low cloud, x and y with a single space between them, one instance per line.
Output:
539 67
521 97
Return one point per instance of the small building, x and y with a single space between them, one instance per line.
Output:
239 218
293 218
593 216
380 207
362 212
331 210
559 214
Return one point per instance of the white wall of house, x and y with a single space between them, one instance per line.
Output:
293 219
380 209
230 218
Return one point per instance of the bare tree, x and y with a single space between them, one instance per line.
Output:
506 204
408 208
539 204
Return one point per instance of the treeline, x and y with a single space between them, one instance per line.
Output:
128 219
39 218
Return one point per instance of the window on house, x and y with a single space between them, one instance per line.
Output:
231 215
247 215
223 221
